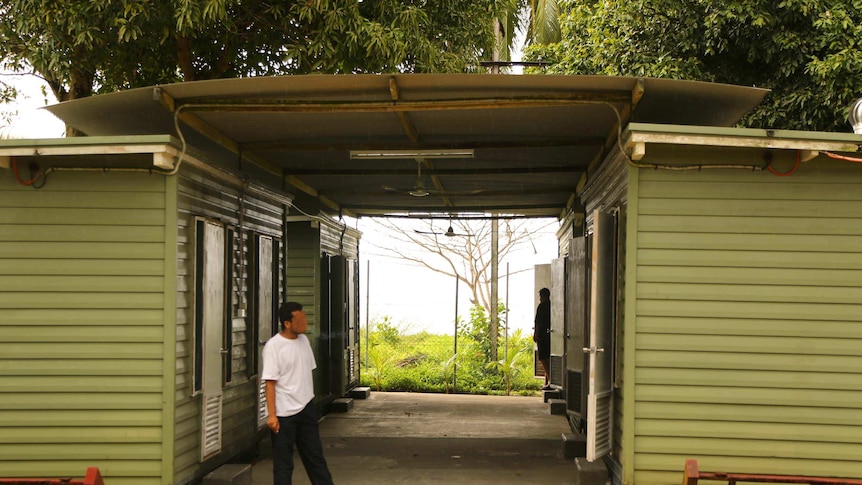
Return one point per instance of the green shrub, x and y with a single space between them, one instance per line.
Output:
425 362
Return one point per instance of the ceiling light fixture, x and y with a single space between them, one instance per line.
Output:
402 154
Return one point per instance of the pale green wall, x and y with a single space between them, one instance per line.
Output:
748 321
81 318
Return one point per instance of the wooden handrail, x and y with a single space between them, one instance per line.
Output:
93 477
692 475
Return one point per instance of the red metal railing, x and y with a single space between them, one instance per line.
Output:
692 475
93 477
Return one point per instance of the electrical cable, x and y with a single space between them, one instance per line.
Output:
658 166
33 178
791 171
842 157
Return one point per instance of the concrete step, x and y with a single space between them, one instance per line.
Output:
590 473
549 394
359 393
230 474
574 445
340 405
558 406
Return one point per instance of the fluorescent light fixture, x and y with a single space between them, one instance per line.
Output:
406 154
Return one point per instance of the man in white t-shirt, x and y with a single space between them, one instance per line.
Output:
287 364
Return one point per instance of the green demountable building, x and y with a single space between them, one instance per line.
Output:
709 284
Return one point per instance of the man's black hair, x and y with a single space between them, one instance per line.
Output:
285 312
545 291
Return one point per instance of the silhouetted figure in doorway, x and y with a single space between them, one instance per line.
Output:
542 333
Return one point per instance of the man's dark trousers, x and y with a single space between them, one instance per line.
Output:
300 429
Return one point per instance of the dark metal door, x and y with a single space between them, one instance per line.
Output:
576 313
558 321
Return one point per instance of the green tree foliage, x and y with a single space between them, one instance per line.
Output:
538 20
515 359
806 51
476 332
83 47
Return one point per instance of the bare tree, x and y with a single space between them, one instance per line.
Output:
457 248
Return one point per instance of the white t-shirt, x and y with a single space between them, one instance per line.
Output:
289 363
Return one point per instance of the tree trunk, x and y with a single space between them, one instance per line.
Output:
81 86
184 57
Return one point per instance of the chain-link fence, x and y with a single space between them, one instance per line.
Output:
394 359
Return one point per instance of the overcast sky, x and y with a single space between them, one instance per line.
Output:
418 298
30 121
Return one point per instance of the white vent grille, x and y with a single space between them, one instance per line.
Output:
557 370
211 425
599 426
261 404
351 366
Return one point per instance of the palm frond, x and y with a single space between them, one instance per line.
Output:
543 25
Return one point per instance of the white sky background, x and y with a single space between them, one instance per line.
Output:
418 298
28 121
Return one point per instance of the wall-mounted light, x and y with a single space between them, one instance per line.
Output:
406 154
855 116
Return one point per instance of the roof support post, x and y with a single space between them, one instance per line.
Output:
494 322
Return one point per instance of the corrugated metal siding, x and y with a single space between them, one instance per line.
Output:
81 318
339 242
749 322
303 271
201 195
307 242
619 344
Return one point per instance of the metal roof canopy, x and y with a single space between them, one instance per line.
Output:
532 137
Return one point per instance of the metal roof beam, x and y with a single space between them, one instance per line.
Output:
302 145
438 171
549 210
488 193
232 145
275 106
413 135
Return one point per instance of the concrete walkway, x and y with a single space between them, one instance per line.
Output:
401 438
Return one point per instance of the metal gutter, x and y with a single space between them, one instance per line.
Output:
638 135
160 146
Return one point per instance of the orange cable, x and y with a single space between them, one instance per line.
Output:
792 170
842 157
18 177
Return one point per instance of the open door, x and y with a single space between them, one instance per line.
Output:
600 350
